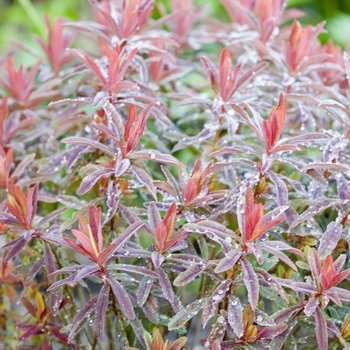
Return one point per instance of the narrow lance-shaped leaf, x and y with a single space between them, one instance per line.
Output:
46 219
82 316
56 298
271 332
156 156
101 308
329 239
89 181
321 329
235 315
218 295
146 180
189 275
251 282
183 316
33 272
32 330
165 284
49 261
229 260
144 290
122 297
28 305
119 241
15 249
154 217
121 340
76 140
134 269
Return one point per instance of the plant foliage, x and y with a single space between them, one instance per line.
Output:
176 181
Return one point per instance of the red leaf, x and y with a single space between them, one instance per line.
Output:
88 61
328 272
135 128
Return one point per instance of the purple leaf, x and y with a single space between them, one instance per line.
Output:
33 272
339 262
343 294
112 201
157 259
255 249
272 284
49 261
154 217
122 298
279 245
312 211
61 283
85 272
165 284
208 226
63 338
146 180
236 149
189 275
285 314
101 308
343 187
271 332
46 219
134 269
329 239
76 140
321 329
229 261
56 298
119 241
189 141
139 330
173 183
251 73
99 97
326 166
27 160
251 282
312 136
150 312
297 286
64 270
281 189
83 315
311 306
316 176
235 315
216 297
32 330
15 249
89 181
115 121
184 315
314 264
156 156
121 166
144 290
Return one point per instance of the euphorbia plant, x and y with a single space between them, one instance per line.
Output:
178 181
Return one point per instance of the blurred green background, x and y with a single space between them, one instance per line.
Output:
19 19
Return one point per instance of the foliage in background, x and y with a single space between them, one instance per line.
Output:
175 180
16 21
